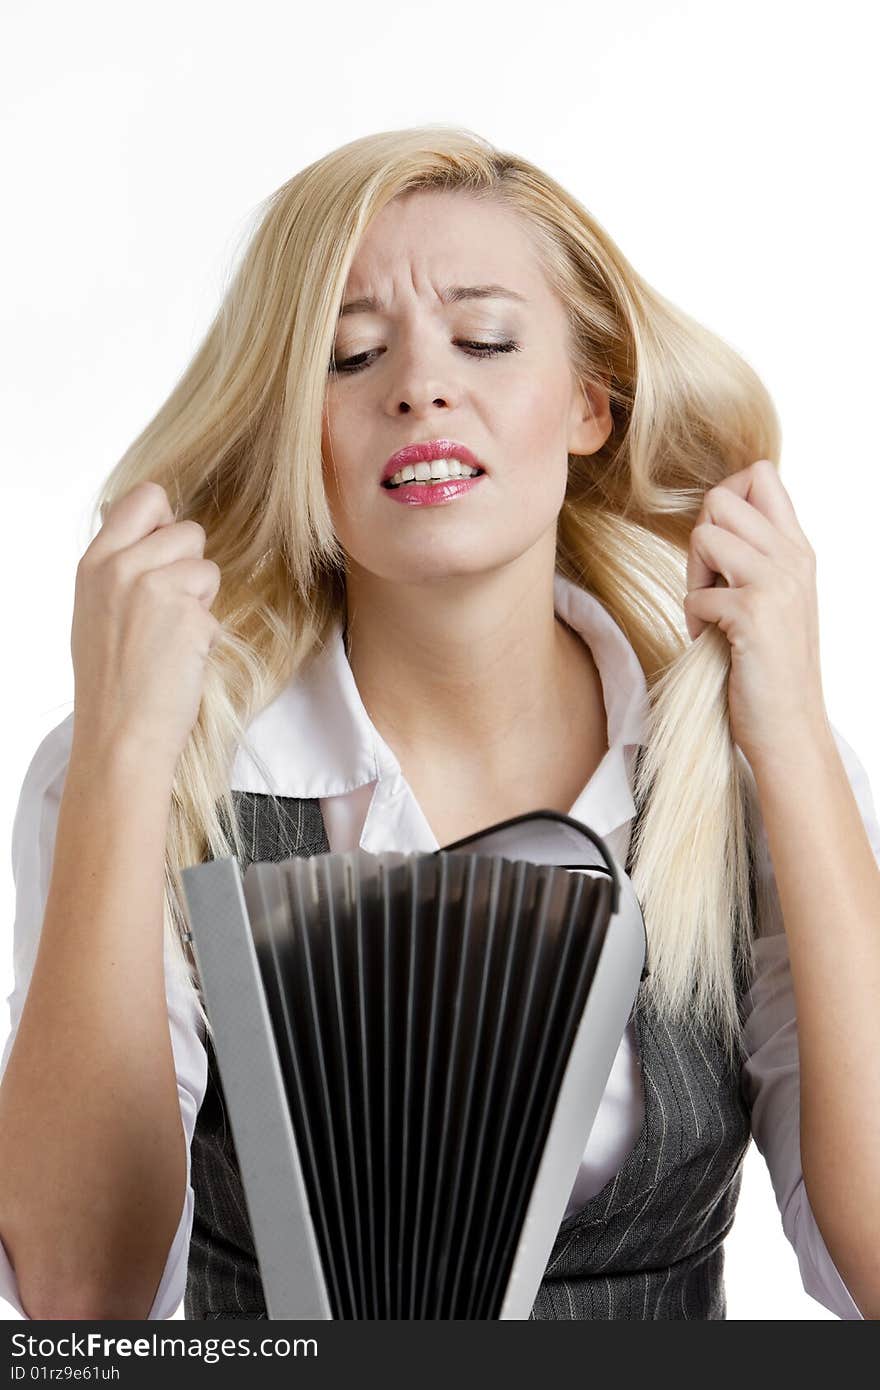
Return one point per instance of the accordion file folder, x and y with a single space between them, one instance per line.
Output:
412 1049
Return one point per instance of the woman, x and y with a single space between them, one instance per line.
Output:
401 663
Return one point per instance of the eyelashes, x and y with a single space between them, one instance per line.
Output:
473 349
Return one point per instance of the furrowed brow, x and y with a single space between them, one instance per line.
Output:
453 294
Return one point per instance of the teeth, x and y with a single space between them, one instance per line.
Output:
434 468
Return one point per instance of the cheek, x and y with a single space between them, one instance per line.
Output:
536 444
332 430
340 455
333 463
327 470
533 413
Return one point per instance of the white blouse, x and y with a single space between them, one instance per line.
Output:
317 740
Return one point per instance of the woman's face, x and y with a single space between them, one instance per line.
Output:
519 411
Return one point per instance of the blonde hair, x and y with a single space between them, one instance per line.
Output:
237 447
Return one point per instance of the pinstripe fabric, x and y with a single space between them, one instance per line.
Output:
648 1245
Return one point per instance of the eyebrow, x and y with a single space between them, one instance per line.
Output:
451 295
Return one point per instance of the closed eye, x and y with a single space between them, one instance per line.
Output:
357 363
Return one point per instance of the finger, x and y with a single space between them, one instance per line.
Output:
761 485
136 514
729 509
714 551
705 606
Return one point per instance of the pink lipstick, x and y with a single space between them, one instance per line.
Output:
429 494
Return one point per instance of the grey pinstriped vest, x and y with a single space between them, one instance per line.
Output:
648 1245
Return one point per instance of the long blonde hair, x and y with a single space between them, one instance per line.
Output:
237 447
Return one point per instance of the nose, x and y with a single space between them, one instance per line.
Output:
420 379
405 406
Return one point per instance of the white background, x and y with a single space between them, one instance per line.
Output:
729 149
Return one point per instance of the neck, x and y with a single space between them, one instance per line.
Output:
470 671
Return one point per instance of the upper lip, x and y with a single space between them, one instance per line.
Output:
425 450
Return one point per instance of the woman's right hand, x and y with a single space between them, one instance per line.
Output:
142 629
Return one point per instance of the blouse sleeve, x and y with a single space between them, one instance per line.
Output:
33 842
771 1079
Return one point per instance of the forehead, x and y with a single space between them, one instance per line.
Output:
424 241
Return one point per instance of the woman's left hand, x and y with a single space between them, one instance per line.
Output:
747 534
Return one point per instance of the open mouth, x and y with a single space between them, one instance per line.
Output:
426 482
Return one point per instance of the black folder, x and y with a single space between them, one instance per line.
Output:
413 1048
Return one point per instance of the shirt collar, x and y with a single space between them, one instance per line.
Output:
315 739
